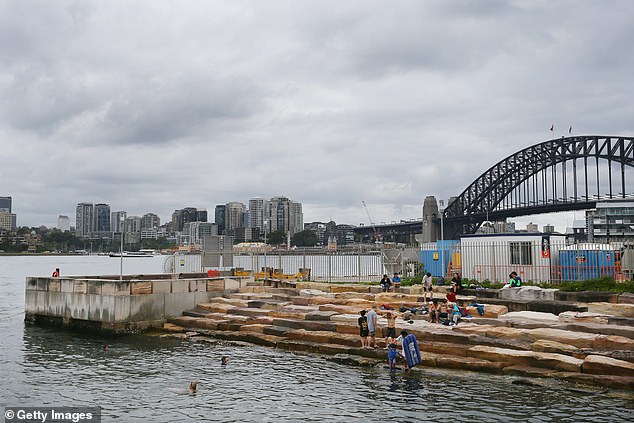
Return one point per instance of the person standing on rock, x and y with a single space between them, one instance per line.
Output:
391 327
372 326
428 287
363 329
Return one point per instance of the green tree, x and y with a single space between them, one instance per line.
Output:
305 238
276 238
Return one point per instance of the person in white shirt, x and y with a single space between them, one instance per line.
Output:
428 287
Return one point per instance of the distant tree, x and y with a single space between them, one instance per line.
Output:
276 238
305 238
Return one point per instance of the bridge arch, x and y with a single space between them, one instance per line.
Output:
529 182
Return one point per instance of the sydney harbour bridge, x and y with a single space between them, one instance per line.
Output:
565 174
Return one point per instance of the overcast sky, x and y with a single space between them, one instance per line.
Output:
152 106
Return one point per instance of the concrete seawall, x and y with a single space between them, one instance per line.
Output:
105 303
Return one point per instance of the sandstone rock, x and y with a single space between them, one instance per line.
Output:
444 348
529 371
395 297
254 328
320 315
301 300
544 345
529 315
575 316
344 358
468 363
232 301
216 307
622 310
311 293
319 337
276 330
526 358
340 309
349 329
577 339
613 342
527 293
601 365
353 295
249 312
170 327
290 314
349 288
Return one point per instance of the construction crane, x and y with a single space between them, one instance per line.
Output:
376 233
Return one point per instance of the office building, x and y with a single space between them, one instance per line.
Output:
84 220
197 231
234 216
8 221
5 204
285 215
132 230
611 221
116 221
63 223
257 208
150 221
219 217
102 219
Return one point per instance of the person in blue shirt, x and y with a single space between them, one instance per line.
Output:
396 280
392 353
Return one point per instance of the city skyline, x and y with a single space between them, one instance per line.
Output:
365 101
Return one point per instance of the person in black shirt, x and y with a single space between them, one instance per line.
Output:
363 329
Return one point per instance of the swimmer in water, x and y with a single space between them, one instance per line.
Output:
105 347
224 360
192 387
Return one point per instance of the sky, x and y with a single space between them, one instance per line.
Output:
152 106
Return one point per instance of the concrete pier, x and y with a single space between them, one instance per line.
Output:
131 305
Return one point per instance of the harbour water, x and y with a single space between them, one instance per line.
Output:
145 378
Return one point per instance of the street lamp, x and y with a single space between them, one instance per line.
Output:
266 269
442 237
121 227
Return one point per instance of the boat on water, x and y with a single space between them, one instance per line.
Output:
132 254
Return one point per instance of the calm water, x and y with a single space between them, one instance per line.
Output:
144 378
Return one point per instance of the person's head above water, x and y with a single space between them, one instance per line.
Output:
223 360
193 386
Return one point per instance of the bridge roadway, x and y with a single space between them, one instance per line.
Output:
401 232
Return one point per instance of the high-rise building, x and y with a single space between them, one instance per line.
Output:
285 215
132 230
197 231
63 223
116 221
296 218
102 218
319 228
84 220
234 216
256 213
612 221
8 221
5 204
201 215
219 217
150 221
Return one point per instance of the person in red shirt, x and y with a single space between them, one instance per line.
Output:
451 296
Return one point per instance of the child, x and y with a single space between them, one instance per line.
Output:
433 313
392 353
363 329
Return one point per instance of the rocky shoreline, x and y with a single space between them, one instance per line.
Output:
591 347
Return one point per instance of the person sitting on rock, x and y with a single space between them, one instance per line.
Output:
456 283
451 296
396 281
385 283
455 313
514 280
